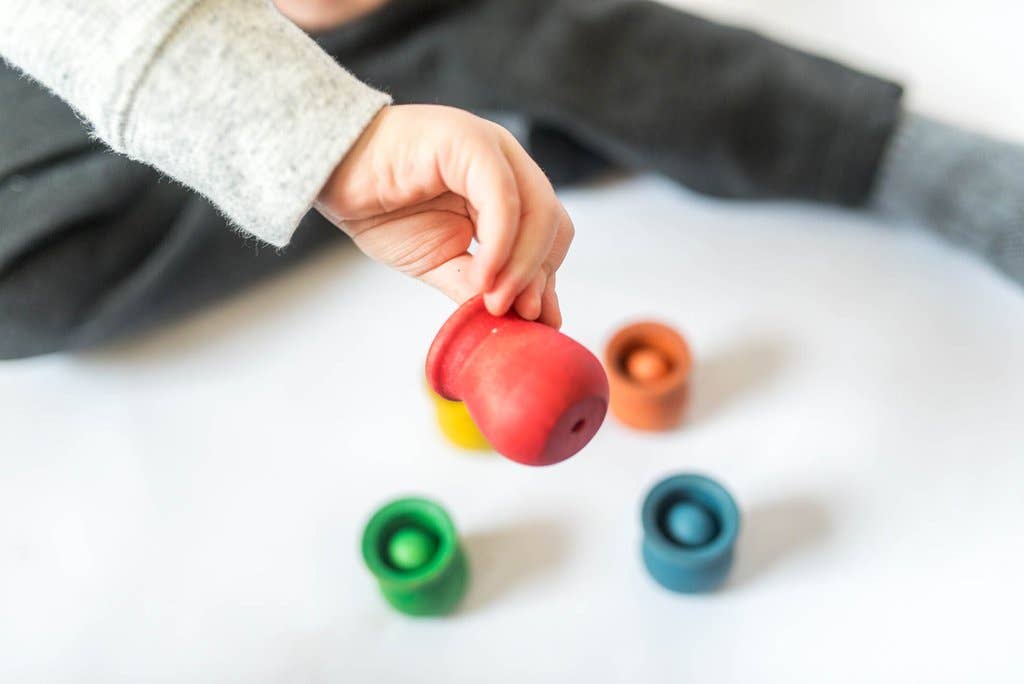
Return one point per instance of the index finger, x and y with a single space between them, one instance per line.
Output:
484 177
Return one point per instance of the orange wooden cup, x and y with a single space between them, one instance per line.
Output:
649 366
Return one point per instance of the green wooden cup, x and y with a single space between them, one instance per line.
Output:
411 547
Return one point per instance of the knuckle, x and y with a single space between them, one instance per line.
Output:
503 133
569 229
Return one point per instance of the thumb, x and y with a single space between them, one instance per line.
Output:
453 277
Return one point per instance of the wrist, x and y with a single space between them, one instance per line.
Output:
340 189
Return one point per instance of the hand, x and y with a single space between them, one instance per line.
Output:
323 15
423 180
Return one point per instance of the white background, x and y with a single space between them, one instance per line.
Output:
187 507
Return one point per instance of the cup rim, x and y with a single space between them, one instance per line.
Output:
437 355
670 343
705 491
422 512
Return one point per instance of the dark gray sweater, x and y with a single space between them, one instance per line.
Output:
94 246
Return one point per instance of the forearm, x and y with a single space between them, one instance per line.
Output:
225 96
723 110
94 246
967 187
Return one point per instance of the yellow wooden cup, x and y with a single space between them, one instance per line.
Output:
456 423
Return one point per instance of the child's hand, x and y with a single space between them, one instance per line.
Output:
322 15
423 180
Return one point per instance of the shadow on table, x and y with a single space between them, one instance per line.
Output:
776 531
505 558
730 372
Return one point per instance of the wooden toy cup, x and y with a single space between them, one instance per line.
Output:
537 395
649 366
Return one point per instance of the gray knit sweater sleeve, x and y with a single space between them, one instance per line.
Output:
226 96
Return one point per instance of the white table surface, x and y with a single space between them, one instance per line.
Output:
187 507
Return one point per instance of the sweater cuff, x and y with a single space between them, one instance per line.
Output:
246 109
